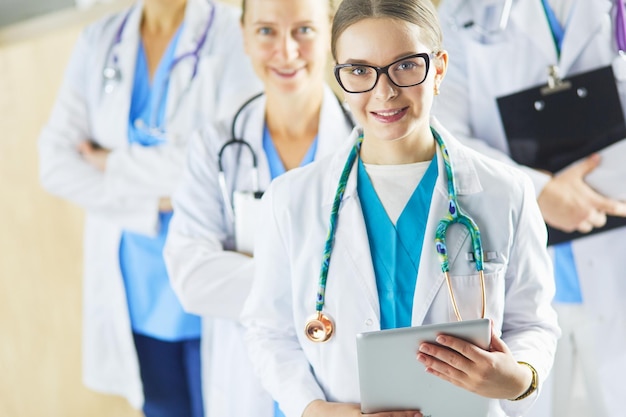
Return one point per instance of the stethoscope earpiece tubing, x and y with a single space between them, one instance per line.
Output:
112 73
220 165
231 142
239 111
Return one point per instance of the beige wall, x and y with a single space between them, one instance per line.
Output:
40 237
40 241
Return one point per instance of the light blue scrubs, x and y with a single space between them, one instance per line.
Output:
565 274
396 250
154 308
277 168
276 165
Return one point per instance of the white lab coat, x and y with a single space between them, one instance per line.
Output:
126 195
297 210
209 277
467 107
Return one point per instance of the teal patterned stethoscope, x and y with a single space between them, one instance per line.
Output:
320 327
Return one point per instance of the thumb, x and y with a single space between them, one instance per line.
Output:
84 147
588 164
497 344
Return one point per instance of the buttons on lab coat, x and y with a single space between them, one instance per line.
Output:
369 322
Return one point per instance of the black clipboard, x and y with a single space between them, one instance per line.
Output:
550 126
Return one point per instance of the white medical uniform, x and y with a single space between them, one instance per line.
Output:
480 70
297 209
126 195
210 278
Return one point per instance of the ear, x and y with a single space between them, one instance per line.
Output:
441 66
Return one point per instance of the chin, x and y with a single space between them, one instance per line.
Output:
389 133
292 87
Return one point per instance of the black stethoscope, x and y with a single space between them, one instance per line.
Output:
221 177
239 140
112 74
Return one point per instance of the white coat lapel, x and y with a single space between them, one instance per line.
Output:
333 127
351 244
430 277
587 17
530 14
250 126
113 132
199 15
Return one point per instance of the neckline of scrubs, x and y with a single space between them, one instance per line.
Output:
275 163
396 249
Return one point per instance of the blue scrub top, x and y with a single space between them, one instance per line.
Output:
396 249
153 307
275 163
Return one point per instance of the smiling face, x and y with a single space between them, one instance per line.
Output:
287 42
389 112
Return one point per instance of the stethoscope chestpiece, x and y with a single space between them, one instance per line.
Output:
319 328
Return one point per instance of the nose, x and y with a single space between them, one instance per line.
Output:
384 88
288 47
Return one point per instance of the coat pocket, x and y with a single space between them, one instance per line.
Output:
468 295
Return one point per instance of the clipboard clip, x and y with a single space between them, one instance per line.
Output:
555 83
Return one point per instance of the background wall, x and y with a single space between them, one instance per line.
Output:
17 10
40 241
40 235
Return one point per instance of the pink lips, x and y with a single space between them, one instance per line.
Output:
389 116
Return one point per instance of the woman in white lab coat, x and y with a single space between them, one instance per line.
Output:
491 65
298 119
91 155
391 65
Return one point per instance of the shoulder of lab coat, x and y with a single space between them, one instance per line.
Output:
209 278
275 311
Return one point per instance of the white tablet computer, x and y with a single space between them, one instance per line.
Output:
392 379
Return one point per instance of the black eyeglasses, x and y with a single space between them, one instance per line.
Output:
405 72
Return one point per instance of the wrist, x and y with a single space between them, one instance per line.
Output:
532 386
